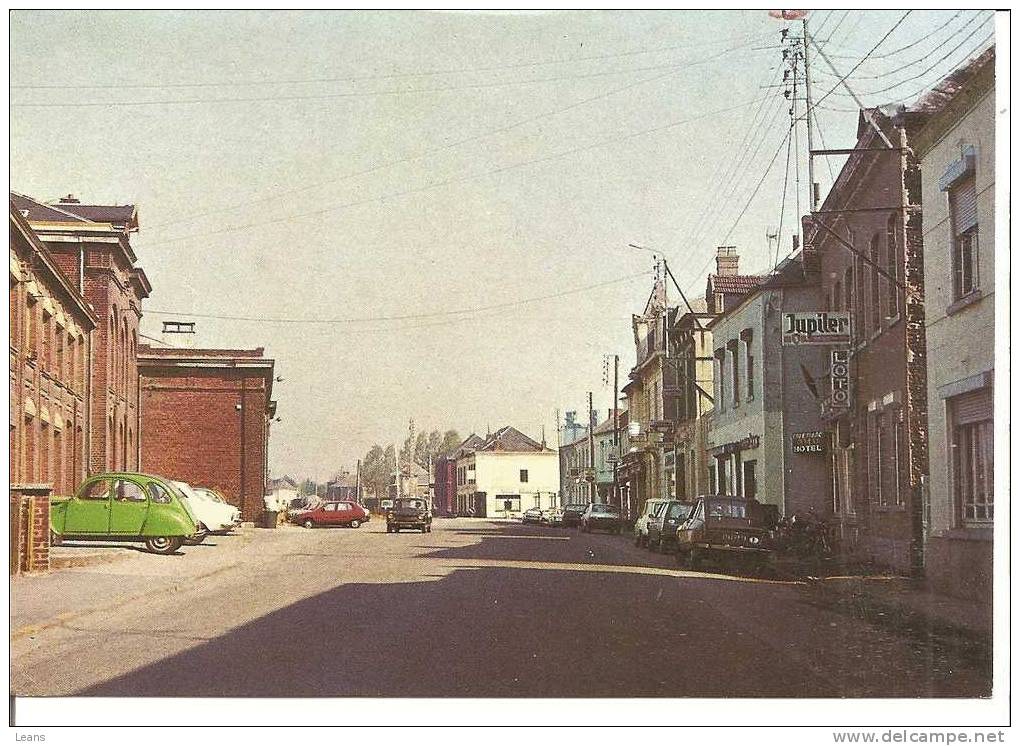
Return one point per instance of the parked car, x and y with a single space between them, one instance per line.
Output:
572 514
725 527
552 517
211 515
409 512
663 525
652 506
125 506
217 496
333 513
532 515
601 517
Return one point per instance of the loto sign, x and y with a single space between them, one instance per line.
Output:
839 374
816 328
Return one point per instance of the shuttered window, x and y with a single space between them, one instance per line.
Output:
972 457
963 213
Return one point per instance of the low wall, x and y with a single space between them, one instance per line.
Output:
30 528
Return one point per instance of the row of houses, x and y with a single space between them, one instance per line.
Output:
853 381
88 396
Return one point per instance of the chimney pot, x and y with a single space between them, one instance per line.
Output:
70 200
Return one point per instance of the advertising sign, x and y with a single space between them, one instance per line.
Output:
810 442
839 373
816 328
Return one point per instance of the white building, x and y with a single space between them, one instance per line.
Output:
506 474
957 154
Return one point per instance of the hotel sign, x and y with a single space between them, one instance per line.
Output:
810 442
816 328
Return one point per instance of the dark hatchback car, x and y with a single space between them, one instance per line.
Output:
663 524
601 517
572 514
724 527
409 512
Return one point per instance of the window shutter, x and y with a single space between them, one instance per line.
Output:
964 206
974 406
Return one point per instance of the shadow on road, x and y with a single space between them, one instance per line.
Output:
485 630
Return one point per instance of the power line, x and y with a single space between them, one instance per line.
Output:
782 207
911 45
934 64
446 182
403 317
927 54
342 95
386 76
463 141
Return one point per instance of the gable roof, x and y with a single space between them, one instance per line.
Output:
510 439
118 216
738 284
469 445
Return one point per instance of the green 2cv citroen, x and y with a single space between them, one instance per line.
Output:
124 506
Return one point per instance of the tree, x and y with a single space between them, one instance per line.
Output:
451 439
377 469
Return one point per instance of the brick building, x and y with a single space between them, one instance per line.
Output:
445 480
91 246
50 328
205 419
866 239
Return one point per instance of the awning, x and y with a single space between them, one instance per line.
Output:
16 272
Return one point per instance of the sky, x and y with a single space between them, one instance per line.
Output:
427 214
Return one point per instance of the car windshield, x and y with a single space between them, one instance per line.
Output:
678 510
410 504
604 509
576 507
727 509
185 489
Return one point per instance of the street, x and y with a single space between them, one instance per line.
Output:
474 609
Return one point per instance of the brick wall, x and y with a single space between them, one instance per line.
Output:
30 529
192 430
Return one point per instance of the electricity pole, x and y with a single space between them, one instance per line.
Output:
591 448
809 117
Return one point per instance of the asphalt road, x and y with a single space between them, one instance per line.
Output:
473 609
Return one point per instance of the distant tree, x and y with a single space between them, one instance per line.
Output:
376 469
451 439
307 487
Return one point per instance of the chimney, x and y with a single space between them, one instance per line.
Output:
70 200
727 261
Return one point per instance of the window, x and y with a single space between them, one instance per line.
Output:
747 336
15 317
963 221
30 326
524 472
158 493
681 475
892 263
59 365
876 292
750 480
734 371
848 291
98 490
126 491
720 378
972 441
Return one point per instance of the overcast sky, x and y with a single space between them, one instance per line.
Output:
400 165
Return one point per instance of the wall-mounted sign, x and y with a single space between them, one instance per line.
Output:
816 328
810 442
747 444
839 373
611 458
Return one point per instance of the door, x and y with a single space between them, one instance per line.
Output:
89 511
345 513
128 508
331 514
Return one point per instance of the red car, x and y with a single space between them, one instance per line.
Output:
333 514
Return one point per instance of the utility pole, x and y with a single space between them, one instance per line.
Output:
616 431
591 448
357 483
809 117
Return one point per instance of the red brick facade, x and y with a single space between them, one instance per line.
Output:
30 529
205 420
50 327
91 246
880 450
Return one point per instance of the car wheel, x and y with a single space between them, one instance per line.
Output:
309 523
355 524
164 544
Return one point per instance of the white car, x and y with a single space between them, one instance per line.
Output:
652 508
211 515
235 514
